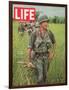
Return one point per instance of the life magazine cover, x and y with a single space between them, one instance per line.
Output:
37 44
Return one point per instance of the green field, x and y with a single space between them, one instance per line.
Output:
26 76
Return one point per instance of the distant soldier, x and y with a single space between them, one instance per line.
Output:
41 49
37 26
29 29
20 27
32 27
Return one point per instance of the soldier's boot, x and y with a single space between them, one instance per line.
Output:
45 70
40 79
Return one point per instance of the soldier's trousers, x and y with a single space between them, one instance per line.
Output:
41 63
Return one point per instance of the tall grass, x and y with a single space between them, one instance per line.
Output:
26 76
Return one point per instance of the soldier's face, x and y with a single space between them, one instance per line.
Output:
44 25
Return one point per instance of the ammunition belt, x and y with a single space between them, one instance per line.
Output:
41 53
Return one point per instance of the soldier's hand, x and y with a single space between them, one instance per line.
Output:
50 55
31 65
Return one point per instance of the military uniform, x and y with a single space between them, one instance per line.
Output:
40 45
21 28
29 29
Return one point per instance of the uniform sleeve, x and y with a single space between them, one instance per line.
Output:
32 40
52 37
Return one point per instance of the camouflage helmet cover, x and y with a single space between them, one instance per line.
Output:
43 18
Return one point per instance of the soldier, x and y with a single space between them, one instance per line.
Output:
41 49
29 29
21 29
37 26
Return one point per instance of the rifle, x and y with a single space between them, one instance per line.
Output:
26 64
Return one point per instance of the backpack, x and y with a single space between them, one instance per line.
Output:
51 35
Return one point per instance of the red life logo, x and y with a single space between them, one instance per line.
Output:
24 14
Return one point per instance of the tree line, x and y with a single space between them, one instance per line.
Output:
53 19
56 19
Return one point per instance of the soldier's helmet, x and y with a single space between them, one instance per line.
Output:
29 26
37 25
43 19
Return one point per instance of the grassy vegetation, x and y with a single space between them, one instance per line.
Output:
26 76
